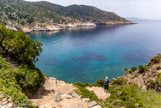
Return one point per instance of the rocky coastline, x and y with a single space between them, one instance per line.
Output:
57 27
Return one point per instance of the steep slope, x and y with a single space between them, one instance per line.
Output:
19 13
147 77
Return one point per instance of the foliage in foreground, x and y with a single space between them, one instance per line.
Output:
15 83
131 96
19 46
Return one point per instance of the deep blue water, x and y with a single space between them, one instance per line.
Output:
86 55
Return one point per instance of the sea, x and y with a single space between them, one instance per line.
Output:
92 53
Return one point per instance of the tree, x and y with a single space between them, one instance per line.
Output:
19 46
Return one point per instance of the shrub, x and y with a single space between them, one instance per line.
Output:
119 81
126 69
100 83
19 46
130 71
156 59
159 78
87 94
133 69
141 69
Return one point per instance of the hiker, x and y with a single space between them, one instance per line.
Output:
106 84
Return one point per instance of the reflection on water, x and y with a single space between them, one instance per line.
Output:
89 54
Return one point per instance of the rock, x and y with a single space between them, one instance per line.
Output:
119 94
98 106
43 88
38 93
113 79
58 97
9 105
9 100
85 99
75 95
92 104
65 96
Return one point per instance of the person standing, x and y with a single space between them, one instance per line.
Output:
106 84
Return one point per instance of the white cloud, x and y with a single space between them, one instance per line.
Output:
148 9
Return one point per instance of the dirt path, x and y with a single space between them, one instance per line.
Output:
99 91
58 94
46 97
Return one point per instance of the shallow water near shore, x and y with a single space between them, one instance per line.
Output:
89 54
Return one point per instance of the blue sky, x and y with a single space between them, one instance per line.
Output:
145 9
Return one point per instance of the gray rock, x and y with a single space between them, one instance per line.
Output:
58 97
113 79
65 96
85 99
119 94
98 106
75 95
38 93
92 104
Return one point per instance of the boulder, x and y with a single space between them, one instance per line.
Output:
92 104
58 97
75 95
85 99
65 96
98 106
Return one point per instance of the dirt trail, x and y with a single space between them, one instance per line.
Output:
58 94
46 98
99 91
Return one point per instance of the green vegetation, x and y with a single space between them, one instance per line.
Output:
16 82
20 12
19 46
159 78
87 94
133 69
141 69
131 96
156 59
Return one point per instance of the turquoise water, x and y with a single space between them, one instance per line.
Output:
86 55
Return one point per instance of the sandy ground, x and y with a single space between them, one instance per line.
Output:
99 92
46 96
46 99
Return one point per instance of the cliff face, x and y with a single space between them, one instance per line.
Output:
19 14
149 77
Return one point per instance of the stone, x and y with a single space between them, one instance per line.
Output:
98 106
38 93
58 97
75 95
119 94
85 99
113 79
9 105
65 96
92 104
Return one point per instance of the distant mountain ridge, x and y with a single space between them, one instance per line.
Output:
20 13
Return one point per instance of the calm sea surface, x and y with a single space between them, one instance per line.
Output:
86 55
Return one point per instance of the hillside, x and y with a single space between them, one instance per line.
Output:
20 14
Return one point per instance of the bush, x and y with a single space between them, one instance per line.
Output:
141 69
125 69
130 71
19 46
119 81
156 59
100 83
133 69
159 78
87 94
